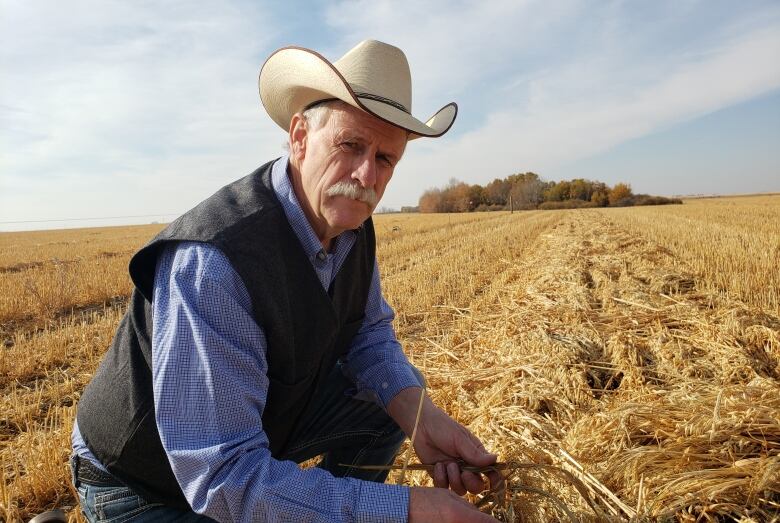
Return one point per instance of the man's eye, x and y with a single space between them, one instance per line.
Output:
385 161
349 145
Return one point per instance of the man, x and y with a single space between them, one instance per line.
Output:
257 335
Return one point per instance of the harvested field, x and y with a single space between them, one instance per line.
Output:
634 350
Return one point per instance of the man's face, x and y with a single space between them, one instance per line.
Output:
352 151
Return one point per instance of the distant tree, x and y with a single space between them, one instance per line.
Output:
526 189
477 196
600 198
557 192
619 192
430 201
599 187
497 192
580 189
456 197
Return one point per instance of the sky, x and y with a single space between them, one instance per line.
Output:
116 112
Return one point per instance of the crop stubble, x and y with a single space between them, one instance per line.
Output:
642 342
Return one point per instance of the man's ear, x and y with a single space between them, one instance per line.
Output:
298 135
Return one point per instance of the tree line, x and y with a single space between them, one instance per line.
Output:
529 191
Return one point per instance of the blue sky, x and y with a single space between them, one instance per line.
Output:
113 108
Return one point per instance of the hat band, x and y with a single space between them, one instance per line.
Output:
382 99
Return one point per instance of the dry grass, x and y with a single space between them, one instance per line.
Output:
732 243
46 274
612 344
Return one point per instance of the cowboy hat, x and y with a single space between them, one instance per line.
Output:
372 76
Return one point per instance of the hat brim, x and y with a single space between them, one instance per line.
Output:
294 77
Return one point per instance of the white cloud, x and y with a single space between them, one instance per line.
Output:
143 107
110 107
451 46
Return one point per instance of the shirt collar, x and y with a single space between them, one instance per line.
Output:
280 181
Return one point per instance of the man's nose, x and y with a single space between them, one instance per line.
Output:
365 171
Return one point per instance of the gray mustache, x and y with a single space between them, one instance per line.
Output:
353 191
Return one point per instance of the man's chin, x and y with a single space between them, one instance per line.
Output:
352 219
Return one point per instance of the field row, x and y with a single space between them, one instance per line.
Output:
732 244
596 348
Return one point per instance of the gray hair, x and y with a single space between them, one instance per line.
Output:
317 115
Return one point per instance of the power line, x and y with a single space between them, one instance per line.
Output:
91 218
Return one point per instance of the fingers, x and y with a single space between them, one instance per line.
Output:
440 475
449 452
454 478
471 449
432 505
468 513
496 479
449 475
473 482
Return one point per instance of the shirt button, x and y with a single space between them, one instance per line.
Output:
321 255
384 385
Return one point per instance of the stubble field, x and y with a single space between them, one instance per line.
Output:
624 362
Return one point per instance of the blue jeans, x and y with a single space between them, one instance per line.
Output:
337 425
121 504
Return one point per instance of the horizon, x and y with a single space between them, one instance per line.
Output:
379 211
111 112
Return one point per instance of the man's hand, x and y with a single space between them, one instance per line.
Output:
442 441
436 505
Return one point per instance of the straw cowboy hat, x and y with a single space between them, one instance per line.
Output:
372 76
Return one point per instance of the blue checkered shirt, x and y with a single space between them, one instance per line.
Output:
210 387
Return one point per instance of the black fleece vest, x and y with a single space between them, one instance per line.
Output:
307 329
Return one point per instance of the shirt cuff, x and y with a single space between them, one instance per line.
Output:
390 379
391 501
